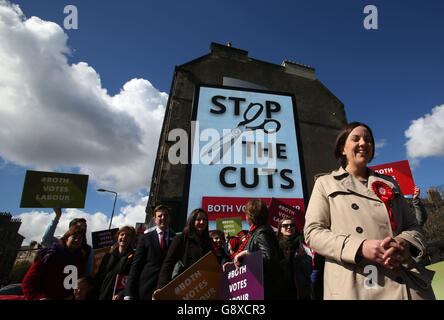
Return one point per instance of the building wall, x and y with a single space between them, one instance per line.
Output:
10 242
28 253
321 115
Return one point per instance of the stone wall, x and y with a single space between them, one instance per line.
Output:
321 115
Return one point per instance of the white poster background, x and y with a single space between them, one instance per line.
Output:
204 179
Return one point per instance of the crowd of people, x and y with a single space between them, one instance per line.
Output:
161 255
355 218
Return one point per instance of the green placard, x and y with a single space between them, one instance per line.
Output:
51 189
231 226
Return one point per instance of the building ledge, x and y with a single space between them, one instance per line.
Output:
227 51
299 69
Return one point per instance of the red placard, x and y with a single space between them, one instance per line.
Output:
279 210
401 172
228 207
120 283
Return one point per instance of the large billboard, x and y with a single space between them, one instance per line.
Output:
245 144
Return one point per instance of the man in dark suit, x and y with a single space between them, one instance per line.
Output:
150 252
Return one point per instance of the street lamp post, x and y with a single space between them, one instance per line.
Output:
114 206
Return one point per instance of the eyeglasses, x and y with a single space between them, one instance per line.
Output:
289 225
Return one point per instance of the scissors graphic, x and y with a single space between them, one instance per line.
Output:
268 126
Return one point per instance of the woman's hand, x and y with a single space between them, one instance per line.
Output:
226 264
58 212
405 253
153 297
397 251
373 251
239 257
389 253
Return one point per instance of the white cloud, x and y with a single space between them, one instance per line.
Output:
34 223
55 116
380 143
425 136
131 214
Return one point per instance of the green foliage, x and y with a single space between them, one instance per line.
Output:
434 226
434 235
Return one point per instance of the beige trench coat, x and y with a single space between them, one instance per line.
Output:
341 214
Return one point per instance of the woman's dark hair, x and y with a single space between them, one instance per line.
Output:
75 229
219 233
279 232
257 211
189 228
76 220
342 138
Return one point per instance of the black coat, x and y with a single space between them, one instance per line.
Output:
112 264
222 256
143 276
289 268
263 238
188 249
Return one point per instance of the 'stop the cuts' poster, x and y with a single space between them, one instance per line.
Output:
245 144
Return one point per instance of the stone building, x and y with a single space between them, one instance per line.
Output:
321 114
28 253
10 242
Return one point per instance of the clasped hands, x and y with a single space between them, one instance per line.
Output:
390 252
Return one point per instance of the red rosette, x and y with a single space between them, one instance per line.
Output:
383 191
386 194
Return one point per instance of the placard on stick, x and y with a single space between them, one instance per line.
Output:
279 210
102 242
230 226
200 281
245 283
51 189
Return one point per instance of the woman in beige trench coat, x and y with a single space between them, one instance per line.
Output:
360 222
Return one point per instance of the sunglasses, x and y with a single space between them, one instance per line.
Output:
289 225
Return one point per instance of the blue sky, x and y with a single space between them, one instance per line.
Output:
390 78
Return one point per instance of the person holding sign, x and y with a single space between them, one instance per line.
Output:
116 262
52 275
418 206
187 248
48 237
360 222
261 237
